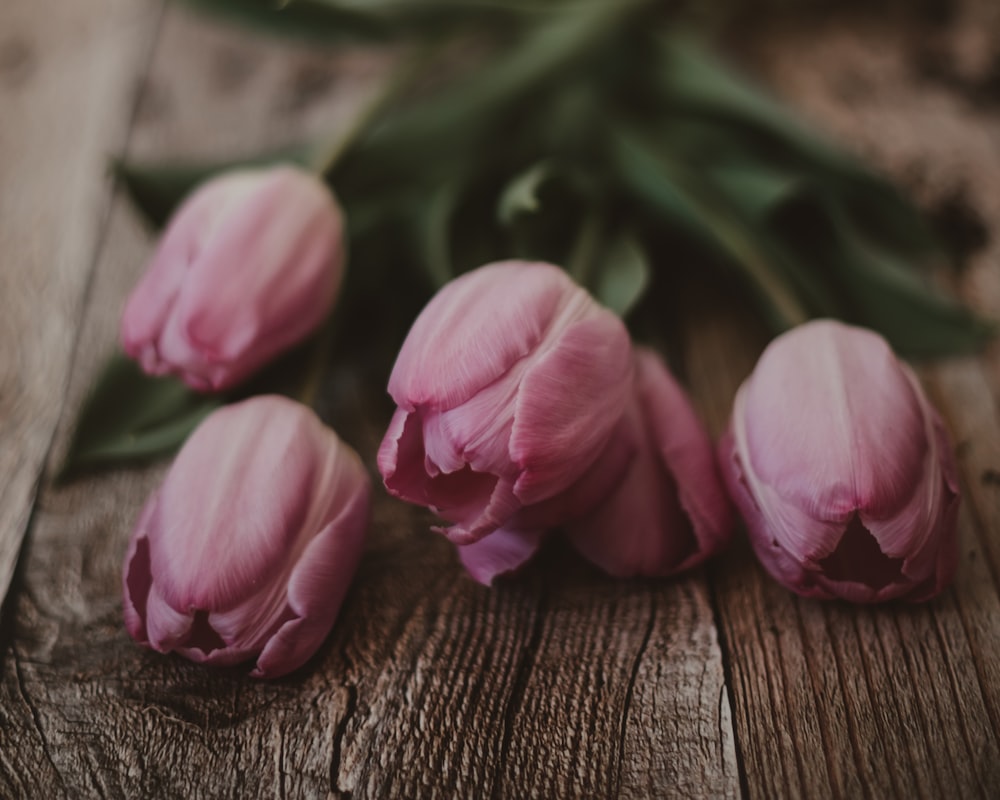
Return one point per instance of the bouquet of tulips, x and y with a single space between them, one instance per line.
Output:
538 201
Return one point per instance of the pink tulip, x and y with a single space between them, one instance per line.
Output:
508 387
842 470
669 510
248 547
249 266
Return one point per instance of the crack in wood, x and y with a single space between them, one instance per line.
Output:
338 742
630 687
719 623
526 664
36 716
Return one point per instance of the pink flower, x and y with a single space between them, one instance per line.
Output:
249 546
842 469
249 266
669 510
508 387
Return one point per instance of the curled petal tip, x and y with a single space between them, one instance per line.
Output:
503 552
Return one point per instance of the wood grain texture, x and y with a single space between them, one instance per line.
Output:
66 88
558 683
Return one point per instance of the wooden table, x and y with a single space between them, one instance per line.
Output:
560 682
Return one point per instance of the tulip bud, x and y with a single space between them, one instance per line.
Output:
668 511
248 266
249 546
842 469
508 387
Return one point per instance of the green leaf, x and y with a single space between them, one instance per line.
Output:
434 232
157 189
680 198
131 417
328 21
869 274
622 275
475 118
887 295
520 196
711 112
693 80
758 189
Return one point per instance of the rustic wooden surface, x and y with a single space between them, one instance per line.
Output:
560 682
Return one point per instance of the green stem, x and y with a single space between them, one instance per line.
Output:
589 240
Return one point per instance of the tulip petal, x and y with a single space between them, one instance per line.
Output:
477 432
786 569
829 418
266 280
686 452
316 591
501 552
480 520
569 402
923 533
248 511
401 458
474 330
151 302
473 501
166 627
593 487
640 528
137 576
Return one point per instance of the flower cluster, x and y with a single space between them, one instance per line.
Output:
522 407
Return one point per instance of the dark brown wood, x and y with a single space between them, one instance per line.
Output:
561 682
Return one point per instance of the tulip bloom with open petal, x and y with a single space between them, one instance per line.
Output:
842 469
249 546
508 387
248 266
669 510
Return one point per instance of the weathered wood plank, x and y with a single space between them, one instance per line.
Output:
560 682
896 701
66 75
836 700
